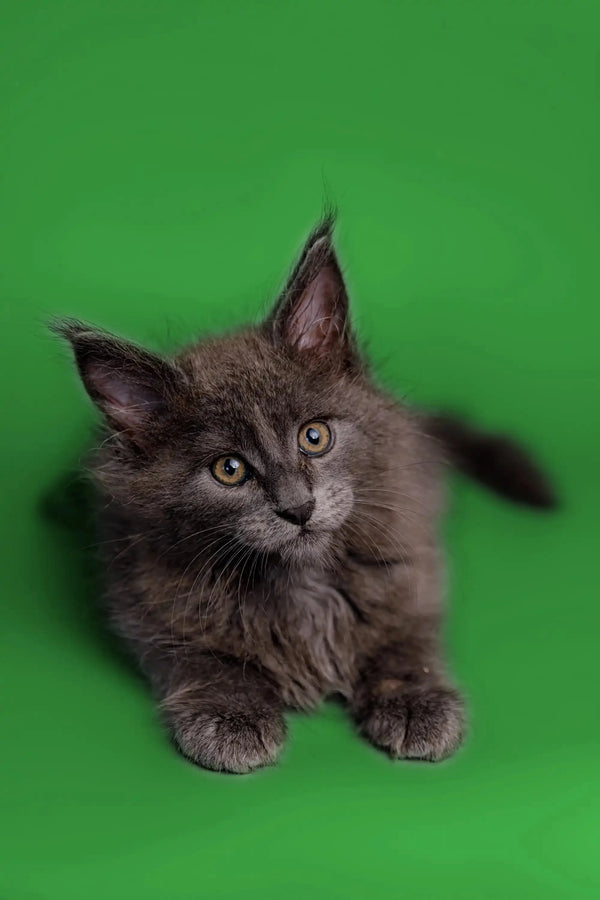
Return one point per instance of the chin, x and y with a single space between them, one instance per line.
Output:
308 548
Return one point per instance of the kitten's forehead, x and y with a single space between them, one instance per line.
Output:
246 390
250 378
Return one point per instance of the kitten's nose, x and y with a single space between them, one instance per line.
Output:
299 515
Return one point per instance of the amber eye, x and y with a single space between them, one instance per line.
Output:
230 470
314 439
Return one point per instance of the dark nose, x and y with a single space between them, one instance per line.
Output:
299 515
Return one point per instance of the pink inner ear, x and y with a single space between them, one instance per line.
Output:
317 321
122 396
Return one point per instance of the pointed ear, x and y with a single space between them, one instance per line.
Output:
132 387
311 315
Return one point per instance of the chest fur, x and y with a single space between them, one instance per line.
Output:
305 640
301 629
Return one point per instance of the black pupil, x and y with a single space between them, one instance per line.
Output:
313 436
230 467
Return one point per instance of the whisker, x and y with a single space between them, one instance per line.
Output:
399 510
201 532
220 549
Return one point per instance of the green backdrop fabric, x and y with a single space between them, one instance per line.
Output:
160 164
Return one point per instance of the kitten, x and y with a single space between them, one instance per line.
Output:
269 522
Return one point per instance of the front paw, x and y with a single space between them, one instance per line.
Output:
417 723
230 740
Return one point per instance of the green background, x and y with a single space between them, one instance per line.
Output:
160 164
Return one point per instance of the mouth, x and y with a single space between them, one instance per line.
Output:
304 537
306 532
306 546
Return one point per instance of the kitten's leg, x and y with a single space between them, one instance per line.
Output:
403 703
223 714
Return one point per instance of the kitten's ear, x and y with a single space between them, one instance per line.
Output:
311 315
131 386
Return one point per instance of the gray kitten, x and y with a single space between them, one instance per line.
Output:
270 527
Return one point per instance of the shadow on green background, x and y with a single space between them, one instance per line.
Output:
160 164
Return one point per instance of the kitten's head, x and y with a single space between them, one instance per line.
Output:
261 441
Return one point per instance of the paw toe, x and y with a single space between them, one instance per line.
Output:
421 724
232 742
435 725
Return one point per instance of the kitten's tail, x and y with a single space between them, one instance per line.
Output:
494 460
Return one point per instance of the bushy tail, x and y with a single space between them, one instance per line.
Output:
494 460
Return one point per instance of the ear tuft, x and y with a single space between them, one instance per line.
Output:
311 314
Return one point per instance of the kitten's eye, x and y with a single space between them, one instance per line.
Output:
230 470
314 439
